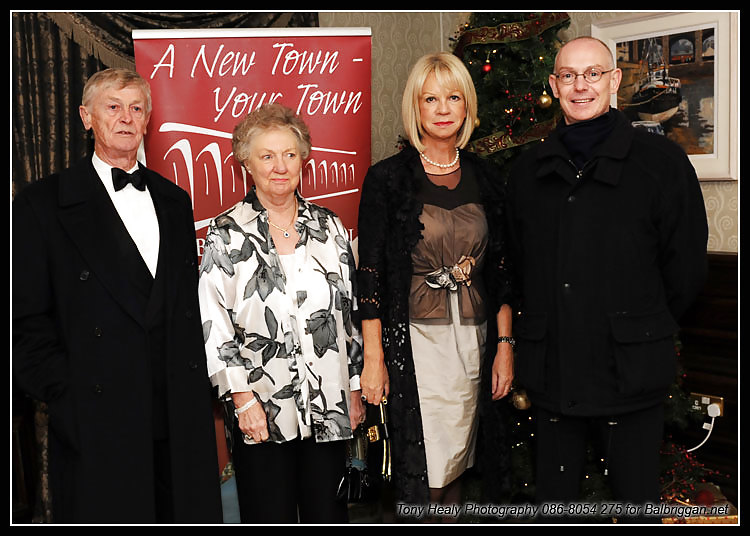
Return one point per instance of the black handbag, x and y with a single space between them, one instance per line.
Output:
368 465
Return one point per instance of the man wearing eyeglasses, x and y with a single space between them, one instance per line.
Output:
607 230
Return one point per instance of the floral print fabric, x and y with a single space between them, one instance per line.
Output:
288 338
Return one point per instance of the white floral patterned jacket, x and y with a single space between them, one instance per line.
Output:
288 338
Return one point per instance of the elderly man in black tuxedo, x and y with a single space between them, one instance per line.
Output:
106 327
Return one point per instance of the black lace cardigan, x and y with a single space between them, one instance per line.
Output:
389 228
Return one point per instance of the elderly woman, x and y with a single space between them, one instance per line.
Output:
432 284
277 303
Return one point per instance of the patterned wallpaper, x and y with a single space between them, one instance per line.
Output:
399 38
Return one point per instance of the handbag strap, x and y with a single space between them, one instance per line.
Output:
376 432
379 432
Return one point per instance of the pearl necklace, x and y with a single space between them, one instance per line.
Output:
294 218
443 166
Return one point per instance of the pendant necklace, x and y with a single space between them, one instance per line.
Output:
443 166
294 218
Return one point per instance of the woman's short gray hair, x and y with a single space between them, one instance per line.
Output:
267 117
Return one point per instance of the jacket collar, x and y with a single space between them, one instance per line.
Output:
553 157
250 208
81 181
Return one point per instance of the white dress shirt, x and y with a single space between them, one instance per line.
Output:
137 212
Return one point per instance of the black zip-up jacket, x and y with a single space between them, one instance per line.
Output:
607 258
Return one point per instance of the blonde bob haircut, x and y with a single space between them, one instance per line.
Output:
451 73
265 118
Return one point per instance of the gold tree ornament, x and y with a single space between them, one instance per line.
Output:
520 399
545 101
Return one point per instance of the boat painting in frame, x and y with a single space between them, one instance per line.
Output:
677 81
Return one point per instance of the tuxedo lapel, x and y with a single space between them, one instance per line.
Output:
93 225
157 301
171 244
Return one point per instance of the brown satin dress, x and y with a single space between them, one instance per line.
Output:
448 327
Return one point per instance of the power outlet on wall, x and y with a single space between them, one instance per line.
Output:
700 402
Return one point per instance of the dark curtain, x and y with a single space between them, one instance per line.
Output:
52 56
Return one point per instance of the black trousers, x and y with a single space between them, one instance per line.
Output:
289 482
163 500
629 445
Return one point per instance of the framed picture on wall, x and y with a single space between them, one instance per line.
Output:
680 80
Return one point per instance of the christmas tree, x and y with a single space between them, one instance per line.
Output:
510 57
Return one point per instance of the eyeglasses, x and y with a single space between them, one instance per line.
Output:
592 75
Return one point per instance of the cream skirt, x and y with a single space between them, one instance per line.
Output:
447 363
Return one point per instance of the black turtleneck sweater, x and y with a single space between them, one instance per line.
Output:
583 138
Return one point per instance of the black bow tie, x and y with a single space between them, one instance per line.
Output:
120 178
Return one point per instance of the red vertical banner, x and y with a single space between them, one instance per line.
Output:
204 82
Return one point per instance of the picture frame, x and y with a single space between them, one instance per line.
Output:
701 114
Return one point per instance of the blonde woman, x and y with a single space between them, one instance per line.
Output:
433 290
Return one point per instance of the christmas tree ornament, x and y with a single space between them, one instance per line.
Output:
487 67
521 400
545 101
